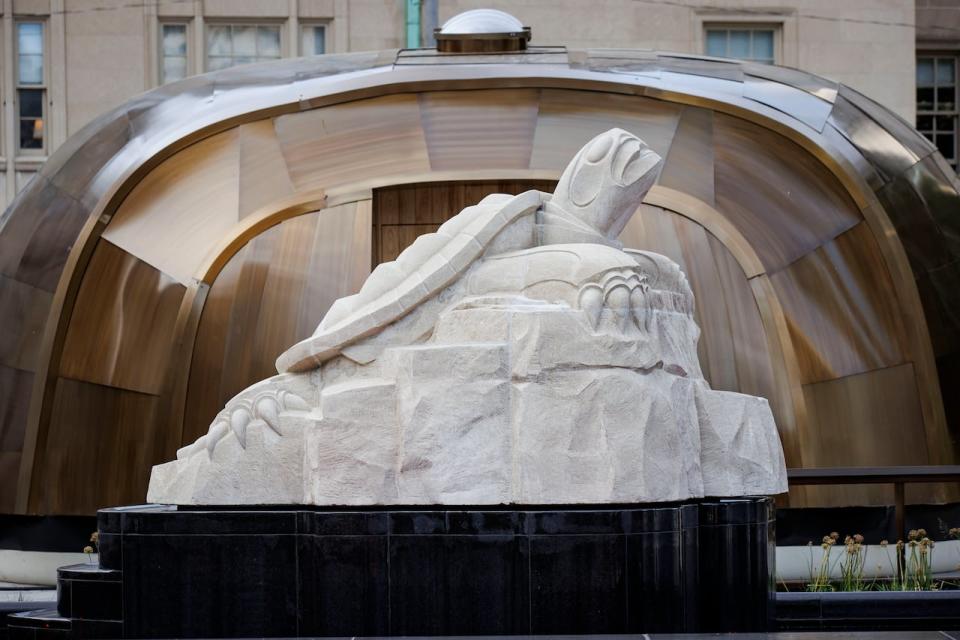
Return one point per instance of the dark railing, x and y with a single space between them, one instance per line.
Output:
897 476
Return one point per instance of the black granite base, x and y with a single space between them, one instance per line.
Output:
696 566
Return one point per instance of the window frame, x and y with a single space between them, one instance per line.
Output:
934 113
43 87
312 24
241 22
188 34
775 27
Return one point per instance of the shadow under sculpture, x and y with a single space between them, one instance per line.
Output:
519 355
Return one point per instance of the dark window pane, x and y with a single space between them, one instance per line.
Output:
945 124
924 72
928 135
31 133
945 72
946 99
925 99
945 143
31 103
925 123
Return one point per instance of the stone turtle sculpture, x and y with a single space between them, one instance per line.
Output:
517 355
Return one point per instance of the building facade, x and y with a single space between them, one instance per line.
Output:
67 61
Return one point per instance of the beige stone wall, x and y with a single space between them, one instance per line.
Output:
105 62
866 44
102 52
938 24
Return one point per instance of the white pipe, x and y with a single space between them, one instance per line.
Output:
37 567
794 563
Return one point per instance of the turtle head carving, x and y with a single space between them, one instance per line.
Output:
606 181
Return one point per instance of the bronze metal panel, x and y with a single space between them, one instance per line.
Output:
340 260
179 212
700 66
904 132
479 129
944 326
263 177
84 155
688 166
717 350
846 153
9 468
347 143
96 452
782 199
903 200
874 415
815 85
841 314
939 196
945 281
121 329
23 313
155 111
805 107
752 356
885 152
712 220
568 119
616 60
701 85
532 55
14 402
36 234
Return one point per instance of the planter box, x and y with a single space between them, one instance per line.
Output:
866 610
794 562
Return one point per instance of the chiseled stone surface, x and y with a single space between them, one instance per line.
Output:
518 355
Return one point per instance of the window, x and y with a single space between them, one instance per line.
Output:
937 103
313 40
31 86
745 43
233 44
173 52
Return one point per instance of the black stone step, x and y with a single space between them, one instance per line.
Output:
87 592
42 624
38 623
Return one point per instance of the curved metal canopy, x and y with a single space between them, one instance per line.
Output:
47 235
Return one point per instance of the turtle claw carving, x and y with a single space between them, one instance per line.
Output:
622 295
246 408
